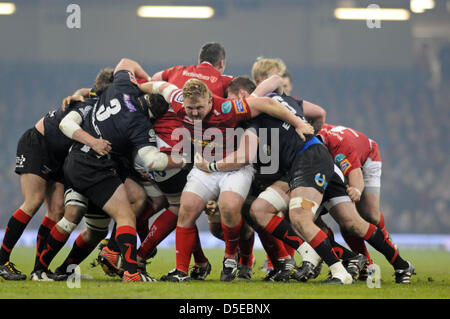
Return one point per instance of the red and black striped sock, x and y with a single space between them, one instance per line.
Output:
357 244
282 230
126 239
112 244
376 238
42 235
16 225
55 242
80 250
273 246
322 246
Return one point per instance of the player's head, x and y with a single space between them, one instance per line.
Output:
155 104
264 68
213 53
287 82
197 99
104 79
240 87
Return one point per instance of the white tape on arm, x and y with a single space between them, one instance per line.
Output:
153 158
166 92
70 123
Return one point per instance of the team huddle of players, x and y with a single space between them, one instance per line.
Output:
189 140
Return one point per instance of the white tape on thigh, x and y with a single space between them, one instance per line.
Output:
67 226
304 203
274 198
97 223
72 197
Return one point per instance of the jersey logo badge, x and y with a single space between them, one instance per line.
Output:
132 78
20 160
128 103
344 165
342 162
239 106
339 158
226 107
213 79
320 180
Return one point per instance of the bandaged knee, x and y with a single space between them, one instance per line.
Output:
303 203
66 225
274 198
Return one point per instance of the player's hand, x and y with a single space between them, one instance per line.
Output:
70 99
101 146
211 207
353 193
305 128
200 162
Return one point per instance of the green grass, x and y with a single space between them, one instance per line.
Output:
431 282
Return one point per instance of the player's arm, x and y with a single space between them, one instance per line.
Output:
273 108
244 155
78 95
269 85
70 126
157 76
355 184
315 115
132 66
159 87
158 161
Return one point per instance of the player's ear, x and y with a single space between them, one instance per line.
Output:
243 94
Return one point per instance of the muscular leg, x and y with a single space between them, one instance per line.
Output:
349 219
33 190
54 200
230 205
186 231
304 201
119 208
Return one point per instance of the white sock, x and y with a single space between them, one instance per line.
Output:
309 254
338 271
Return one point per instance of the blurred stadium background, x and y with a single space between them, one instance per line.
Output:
388 79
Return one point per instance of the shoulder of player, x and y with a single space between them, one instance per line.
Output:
230 106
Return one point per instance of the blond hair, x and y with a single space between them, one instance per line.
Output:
264 67
194 89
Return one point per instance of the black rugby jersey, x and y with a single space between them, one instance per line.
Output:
59 143
288 144
117 117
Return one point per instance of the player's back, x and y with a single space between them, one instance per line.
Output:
288 142
346 141
58 142
205 72
116 116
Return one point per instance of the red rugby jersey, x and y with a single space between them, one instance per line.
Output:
348 147
225 113
204 71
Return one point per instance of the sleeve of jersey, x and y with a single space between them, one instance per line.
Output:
346 159
240 109
126 81
176 103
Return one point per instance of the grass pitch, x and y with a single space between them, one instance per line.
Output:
431 282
